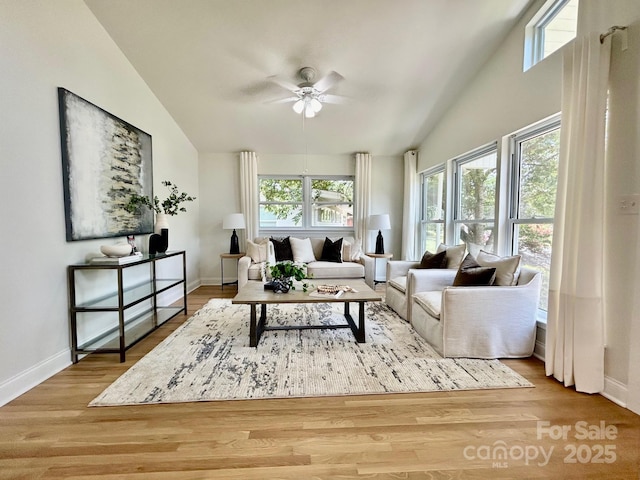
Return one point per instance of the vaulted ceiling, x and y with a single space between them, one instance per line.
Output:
403 63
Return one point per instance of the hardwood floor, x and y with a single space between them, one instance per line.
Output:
49 432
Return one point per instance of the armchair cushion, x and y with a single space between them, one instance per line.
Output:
434 260
455 254
507 268
430 301
472 273
399 283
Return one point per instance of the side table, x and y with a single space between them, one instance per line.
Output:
376 256
223 257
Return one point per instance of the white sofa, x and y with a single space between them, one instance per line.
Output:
476 321
354 263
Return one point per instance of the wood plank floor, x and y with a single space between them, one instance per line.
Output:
49 432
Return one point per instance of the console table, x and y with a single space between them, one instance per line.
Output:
113 306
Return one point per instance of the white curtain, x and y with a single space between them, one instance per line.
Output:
249 193
363 197
575 328
410 208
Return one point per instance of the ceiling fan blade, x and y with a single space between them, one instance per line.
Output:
328 81
284 83
284 100
328 98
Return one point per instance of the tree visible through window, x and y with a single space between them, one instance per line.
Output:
306 202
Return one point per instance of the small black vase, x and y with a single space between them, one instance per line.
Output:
159 243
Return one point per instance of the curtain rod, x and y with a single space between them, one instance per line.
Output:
611 31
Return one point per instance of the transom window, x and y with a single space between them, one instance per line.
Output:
552 27
475 199
304 202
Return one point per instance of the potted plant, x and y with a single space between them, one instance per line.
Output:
169 206
159 242
283 274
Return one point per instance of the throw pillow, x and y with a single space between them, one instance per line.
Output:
434 260
282 249
332 251
302 250
455 254
257 251
507 268
356 251
471 273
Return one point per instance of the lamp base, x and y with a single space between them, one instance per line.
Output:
235 246
379 244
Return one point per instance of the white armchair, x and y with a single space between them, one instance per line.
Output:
477 322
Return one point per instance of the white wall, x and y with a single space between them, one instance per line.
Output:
44 45
219 195
503 99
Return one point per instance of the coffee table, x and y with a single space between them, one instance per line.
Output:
254 294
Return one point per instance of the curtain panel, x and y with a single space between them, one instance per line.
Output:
410 211
249 193
363 198
575 327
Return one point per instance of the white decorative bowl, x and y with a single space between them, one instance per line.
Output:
118 250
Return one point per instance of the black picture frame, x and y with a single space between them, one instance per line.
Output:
104 161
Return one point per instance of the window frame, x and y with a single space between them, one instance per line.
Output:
458 163
513 209
307 204
424 221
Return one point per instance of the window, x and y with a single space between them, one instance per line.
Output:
534 177
434 199
306 202
475 199
552 27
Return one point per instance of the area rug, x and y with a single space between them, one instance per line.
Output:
209 358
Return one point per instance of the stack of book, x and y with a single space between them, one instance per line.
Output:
104 260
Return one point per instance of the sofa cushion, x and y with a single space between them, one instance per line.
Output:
302 250
471 273
322 269
332 251
455 254
430 301
399 283
282 248
507 268
257 251
434 260
257 271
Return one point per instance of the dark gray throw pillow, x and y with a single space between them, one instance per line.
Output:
434 260
471 273
332 251
282 249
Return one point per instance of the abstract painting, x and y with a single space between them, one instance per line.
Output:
105 160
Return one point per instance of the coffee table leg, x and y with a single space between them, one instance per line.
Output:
361 332
253 330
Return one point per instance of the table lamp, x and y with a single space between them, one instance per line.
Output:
379 222
233 221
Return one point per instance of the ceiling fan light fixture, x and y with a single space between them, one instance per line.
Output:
309 112
299 106
315 104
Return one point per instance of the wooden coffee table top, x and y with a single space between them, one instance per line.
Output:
254 293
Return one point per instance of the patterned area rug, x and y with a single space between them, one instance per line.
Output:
209 358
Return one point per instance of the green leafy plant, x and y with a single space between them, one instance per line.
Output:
170 205
288 271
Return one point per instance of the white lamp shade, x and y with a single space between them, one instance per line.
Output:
233 221
379 222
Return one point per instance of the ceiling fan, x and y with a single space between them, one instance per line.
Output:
309 96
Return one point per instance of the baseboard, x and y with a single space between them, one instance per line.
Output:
615 391
33 376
